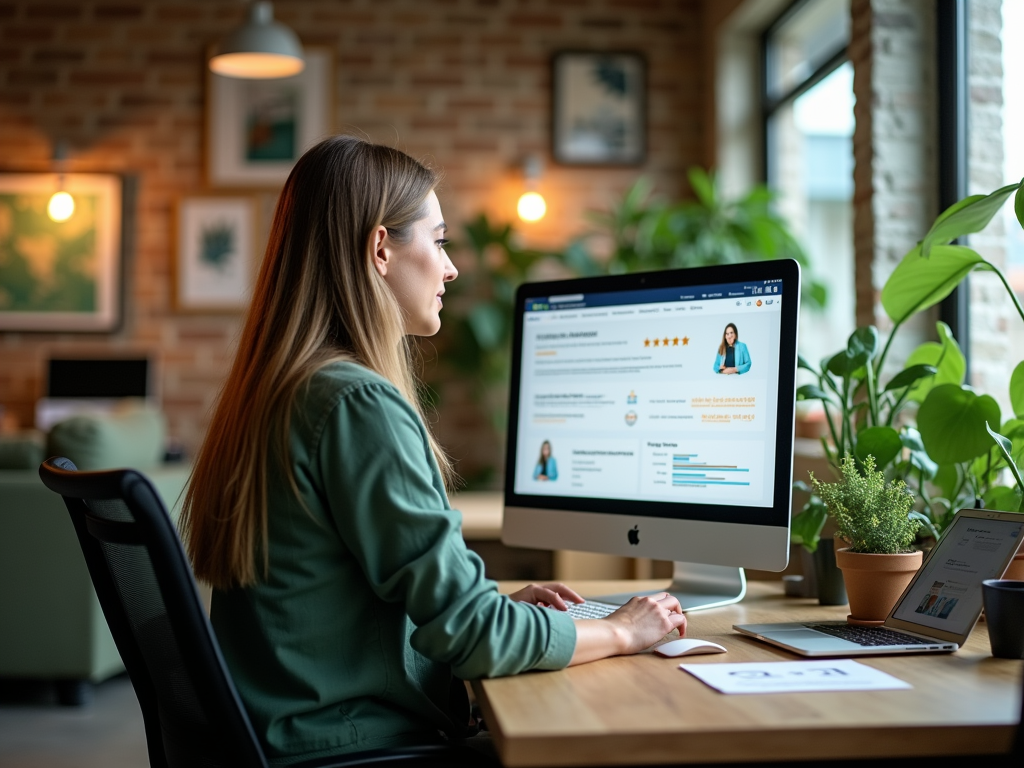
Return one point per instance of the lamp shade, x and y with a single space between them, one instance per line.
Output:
260 48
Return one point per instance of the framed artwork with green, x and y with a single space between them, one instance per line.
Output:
257 129
216 248
60 252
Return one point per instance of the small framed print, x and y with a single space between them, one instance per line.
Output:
599 108
60 269
257 129
216 252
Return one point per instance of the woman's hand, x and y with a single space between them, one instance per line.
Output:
637 625
643 621
553 595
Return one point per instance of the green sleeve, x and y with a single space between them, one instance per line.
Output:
385 495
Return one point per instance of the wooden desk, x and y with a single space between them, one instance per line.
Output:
643 709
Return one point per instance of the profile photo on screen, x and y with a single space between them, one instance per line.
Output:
732 357
547 467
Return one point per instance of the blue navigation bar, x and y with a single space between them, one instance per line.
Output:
755 288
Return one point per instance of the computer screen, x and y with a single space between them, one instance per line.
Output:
651 415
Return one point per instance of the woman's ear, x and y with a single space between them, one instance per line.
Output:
381 257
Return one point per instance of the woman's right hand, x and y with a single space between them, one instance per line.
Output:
637 625
643 621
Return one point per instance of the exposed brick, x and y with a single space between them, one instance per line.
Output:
31 77
107 78
58 55
118 12
54 12
28 33
535 20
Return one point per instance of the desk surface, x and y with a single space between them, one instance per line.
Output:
643 709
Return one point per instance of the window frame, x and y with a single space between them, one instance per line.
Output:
769 104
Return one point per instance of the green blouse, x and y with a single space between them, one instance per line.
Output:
373 610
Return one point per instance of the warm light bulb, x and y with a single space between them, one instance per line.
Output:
61 206
531 207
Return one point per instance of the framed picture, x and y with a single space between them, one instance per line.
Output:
215 253
599 108
60 270
257 129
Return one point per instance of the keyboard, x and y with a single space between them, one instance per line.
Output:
868 636
591 609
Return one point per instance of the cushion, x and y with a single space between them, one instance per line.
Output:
24 451
128 438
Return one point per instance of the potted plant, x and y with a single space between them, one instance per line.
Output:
873 516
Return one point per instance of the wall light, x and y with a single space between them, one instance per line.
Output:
531 206
62 205
260 49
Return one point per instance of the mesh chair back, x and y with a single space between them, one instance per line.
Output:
194 717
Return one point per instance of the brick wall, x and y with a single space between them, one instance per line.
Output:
463 83
892 48
993 319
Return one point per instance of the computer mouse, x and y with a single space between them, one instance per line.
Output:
688 646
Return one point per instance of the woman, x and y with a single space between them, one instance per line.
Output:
547 467
345 600
732 354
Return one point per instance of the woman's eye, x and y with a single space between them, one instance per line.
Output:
441 243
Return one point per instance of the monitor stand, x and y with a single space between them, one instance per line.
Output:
697 587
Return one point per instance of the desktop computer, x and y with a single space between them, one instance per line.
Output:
651 415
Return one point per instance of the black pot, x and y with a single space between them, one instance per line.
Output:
831 587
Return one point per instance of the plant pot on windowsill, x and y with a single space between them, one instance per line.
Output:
875 582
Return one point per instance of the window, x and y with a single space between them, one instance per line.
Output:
995 157
808 129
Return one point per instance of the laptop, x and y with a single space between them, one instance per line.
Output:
936 612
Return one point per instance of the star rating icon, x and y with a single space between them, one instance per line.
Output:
668 342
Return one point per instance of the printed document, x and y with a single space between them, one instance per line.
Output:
794 676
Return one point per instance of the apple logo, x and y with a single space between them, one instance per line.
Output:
634 535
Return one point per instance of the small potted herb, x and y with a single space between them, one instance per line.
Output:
874 518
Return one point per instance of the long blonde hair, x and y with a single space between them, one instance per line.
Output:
318 299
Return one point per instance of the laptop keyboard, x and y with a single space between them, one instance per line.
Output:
868 636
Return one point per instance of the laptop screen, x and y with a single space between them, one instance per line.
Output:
947 593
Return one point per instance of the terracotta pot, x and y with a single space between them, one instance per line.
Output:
1015 571
875 582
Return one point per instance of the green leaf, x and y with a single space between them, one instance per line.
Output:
1018 204
703 186
801 362
812 392
917 283
883 443
947 479
861 347
1002 498
952 421
919 458
972 214
1005 448
863 341
488 324
805 528
945 356
910 375
1017 389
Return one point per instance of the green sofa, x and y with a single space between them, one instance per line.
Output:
51 625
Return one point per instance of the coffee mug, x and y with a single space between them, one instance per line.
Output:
1004 611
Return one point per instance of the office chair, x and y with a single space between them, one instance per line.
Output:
193 715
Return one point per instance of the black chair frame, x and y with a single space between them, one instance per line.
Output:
231 739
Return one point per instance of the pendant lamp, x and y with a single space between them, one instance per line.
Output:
260 49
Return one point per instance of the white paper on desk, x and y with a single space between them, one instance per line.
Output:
794 676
